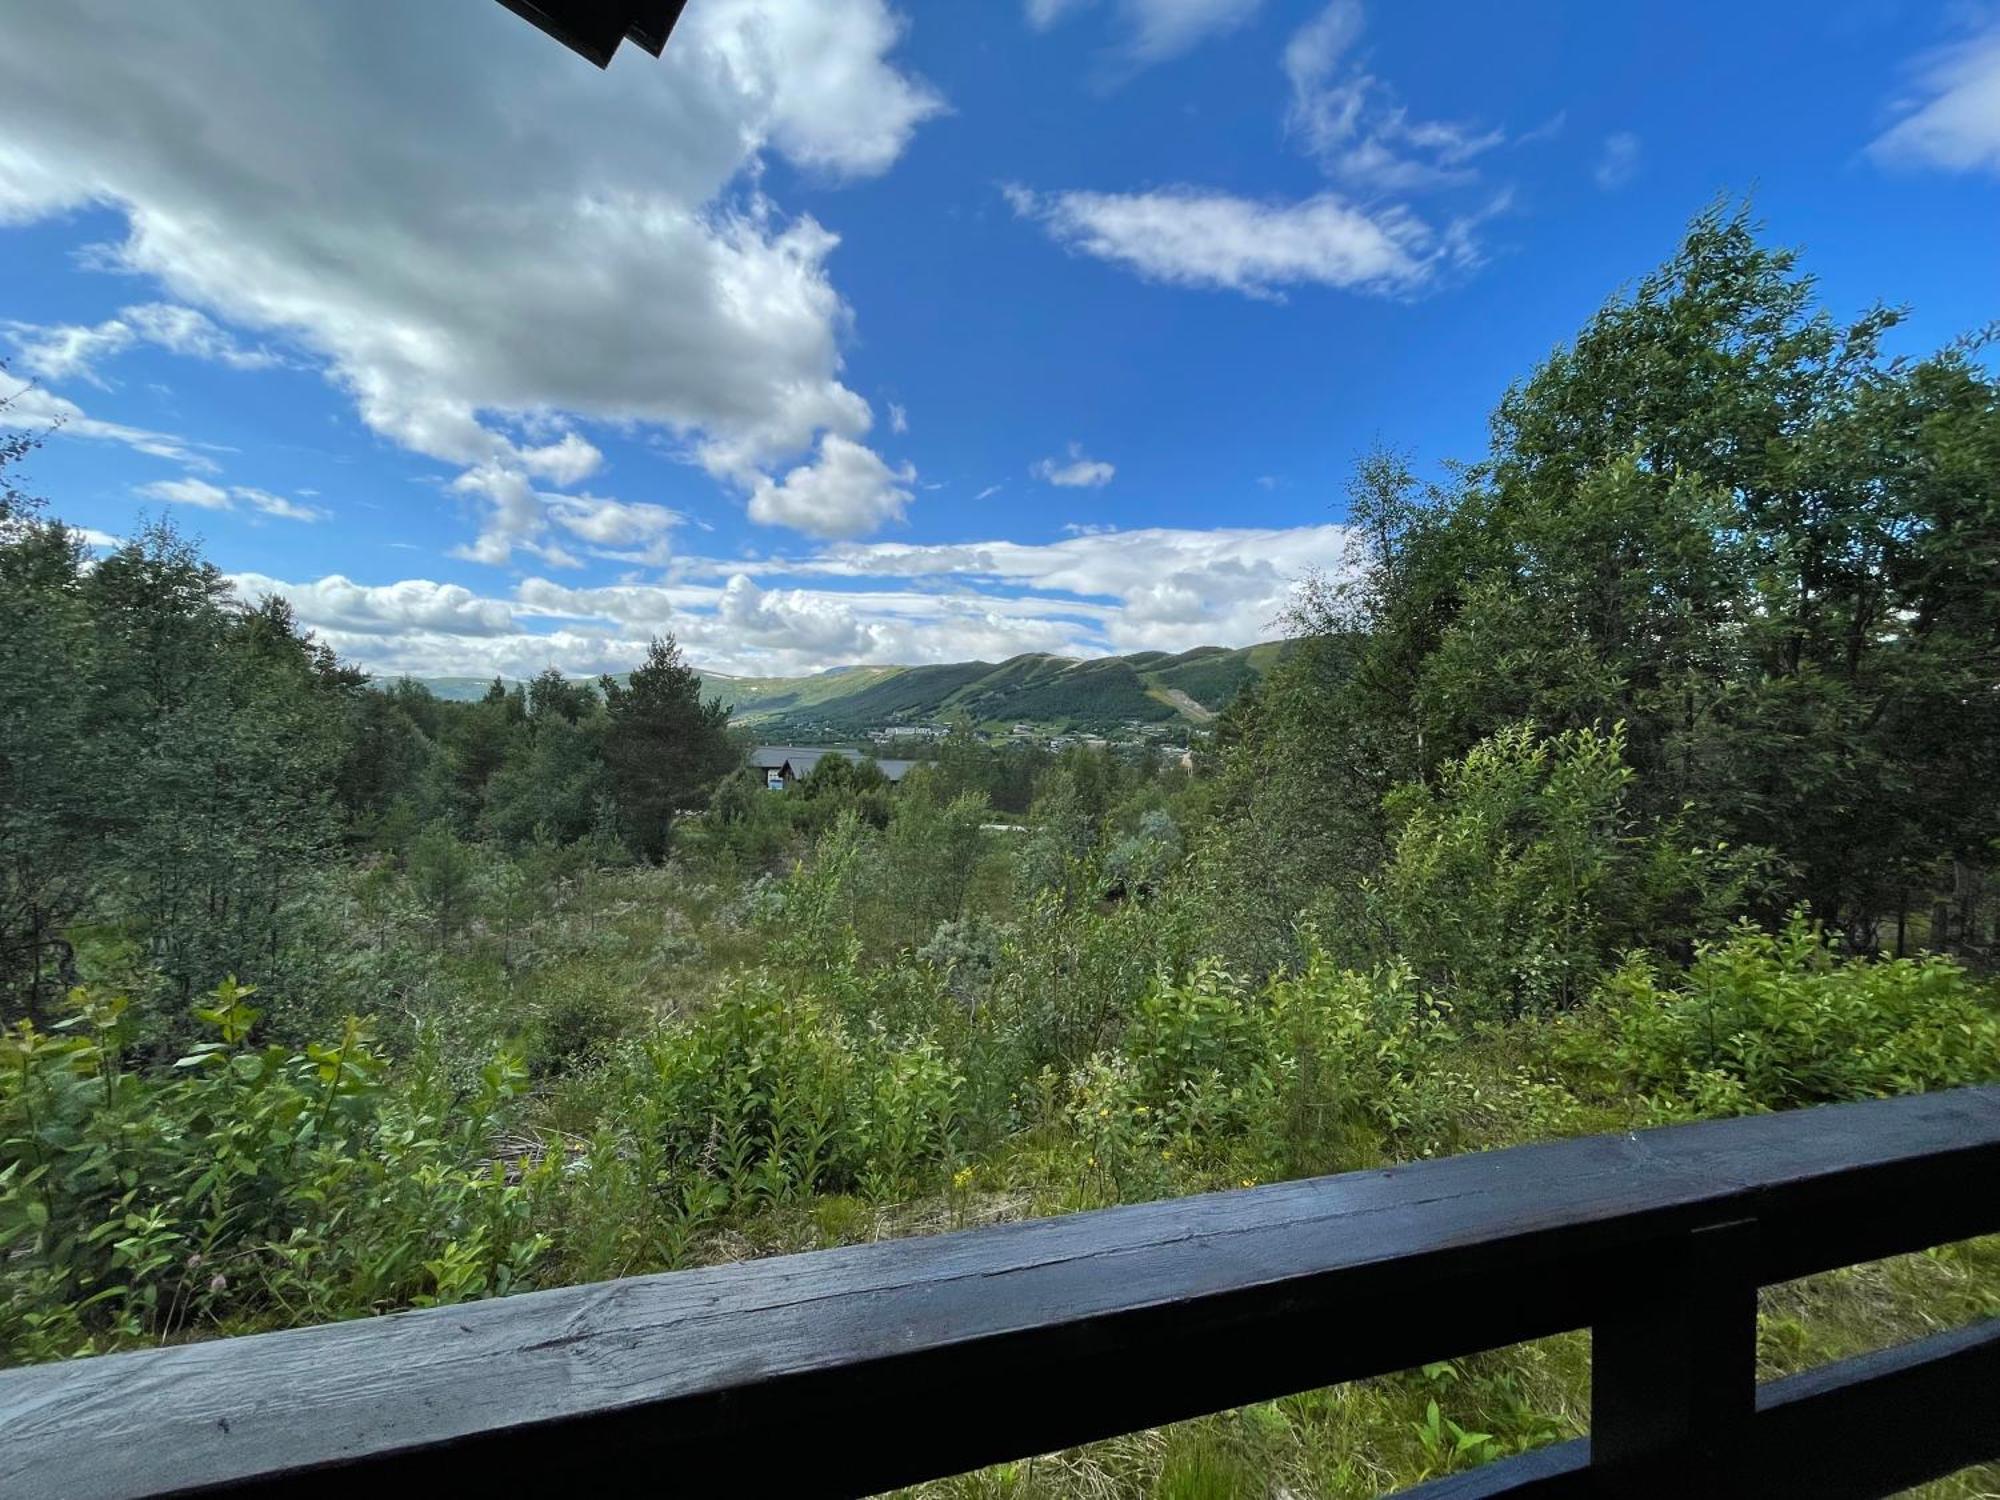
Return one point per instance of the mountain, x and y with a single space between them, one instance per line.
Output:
1101 695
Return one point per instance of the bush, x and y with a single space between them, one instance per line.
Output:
1765 1021
768 1095
250 1184
1515 880
1203 1053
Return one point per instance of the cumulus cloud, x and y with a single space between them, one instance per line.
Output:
1155 29
566 242
387 610
1075 472
845 491
1950 117
612 523
1618 161
523 517
1191 237
876 603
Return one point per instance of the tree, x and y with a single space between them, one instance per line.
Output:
664 747
1724 520
166 759
552 780
50 767
441 874
229 726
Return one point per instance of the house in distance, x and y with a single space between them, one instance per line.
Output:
784 764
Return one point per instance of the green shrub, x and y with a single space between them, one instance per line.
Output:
249 1184
767 1094
1203 1054
1773 1020
1515 880
1374 1064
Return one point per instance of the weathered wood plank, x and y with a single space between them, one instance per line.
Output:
1673 1374
845 1371
1859 1428
1880 1423
1560 1471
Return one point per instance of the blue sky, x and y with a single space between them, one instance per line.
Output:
865 332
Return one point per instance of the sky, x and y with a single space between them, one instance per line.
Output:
859 332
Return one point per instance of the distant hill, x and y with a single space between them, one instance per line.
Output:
1056 693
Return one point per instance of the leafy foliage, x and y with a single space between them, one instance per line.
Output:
1582 805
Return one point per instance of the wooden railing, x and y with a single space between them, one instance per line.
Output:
848 1371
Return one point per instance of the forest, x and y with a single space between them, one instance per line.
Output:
1644 768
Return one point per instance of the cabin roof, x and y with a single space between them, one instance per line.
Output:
802 758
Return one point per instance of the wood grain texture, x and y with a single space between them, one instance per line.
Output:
848 1371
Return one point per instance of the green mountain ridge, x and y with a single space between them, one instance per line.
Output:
1096 695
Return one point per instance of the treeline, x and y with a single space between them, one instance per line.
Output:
1722 534
1601 791
176 764
555 759
167 762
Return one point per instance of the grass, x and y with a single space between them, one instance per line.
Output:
1356 1440
654 943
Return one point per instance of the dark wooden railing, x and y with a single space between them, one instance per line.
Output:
848 1371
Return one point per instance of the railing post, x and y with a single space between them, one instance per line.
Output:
1674 1380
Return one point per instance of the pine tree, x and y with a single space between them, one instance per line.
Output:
664 746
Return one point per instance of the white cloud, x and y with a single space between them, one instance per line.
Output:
521 515
566 243
1189 237
205 496
1155 29
570 460
65 351
516 517
35 407
195 492
386 610
845 491
69 351
612 523
989 492
899 418
1242 577
1354 123
1364 137
1074 472
1042 14
874 603
1618 162
1951 117
276 505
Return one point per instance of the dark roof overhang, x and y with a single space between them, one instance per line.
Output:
596 27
